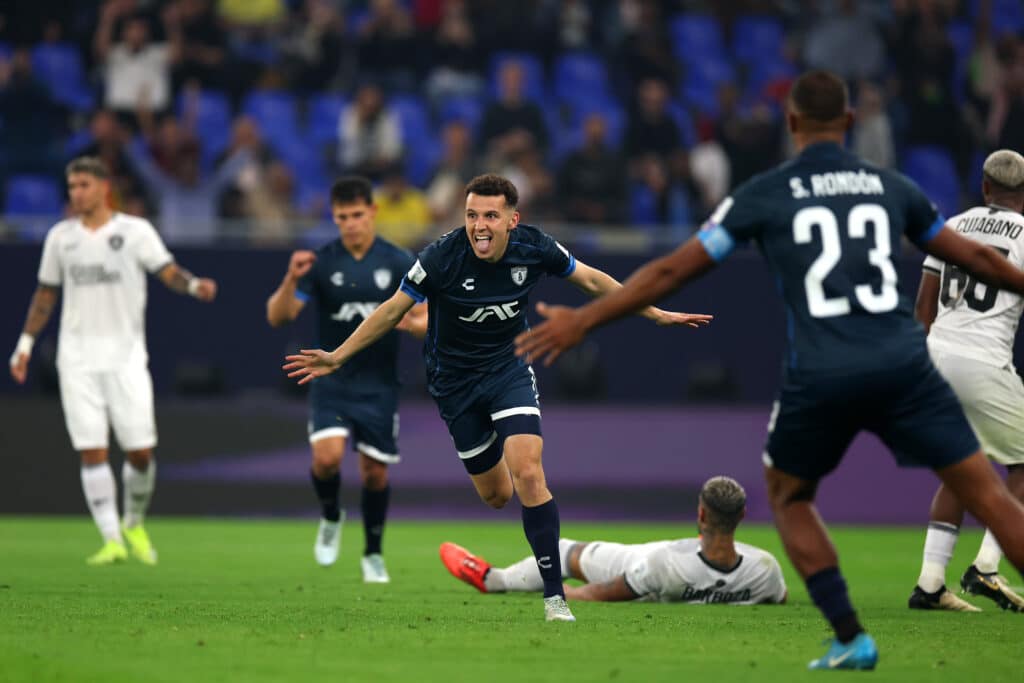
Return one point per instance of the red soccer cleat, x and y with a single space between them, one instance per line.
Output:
465 566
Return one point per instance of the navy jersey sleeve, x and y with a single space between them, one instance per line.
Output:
555 258
305 289
423 275
923 220
738 219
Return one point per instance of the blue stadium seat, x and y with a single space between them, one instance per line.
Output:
212 122
306 163
567 131
695 36
933 169
533 87
703 78
36 202
756 38
643 206
468 110
275 113
580 75
322 117
59 66
5 51
1007 15
687 129
76 142
413 116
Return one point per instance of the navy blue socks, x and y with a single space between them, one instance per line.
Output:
328 492
541 526
828 591
375 511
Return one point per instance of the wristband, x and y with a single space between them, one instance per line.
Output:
193 287
23 347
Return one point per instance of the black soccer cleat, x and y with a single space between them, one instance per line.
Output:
940 599
993 587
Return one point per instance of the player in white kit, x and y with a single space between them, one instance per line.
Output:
99 260
971 330
711 569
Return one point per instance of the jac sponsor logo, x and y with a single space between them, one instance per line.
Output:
351 309
499 311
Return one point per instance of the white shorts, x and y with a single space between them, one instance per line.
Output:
96 401
601 562
993 400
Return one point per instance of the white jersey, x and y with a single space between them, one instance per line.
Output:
974 320
103 276
676 571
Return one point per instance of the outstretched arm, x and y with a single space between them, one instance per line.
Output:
39 312
565 327
598 283
616 590
179 280
309 364
927 305
979 260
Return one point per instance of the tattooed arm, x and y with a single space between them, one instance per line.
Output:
179 280
39 312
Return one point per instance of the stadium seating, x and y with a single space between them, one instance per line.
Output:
422 148
468 110
211 121
756 39
59 66
580 75
322 115
933 169
704 76
533 74
696 36
35 201
275 113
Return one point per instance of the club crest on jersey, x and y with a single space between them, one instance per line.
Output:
115 242
338 278
382 278
519 274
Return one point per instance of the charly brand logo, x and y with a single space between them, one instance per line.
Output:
382 278
519 274
338 278
468 285
116 242
499 311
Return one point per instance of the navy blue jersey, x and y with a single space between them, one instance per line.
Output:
477 308
345 292
830 226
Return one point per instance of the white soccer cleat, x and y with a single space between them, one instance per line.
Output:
374 570
557 609
328 542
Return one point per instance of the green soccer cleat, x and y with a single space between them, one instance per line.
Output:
138 541
111 553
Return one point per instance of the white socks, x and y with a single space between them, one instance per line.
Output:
138 489
938 551
524 575
101 496
987 561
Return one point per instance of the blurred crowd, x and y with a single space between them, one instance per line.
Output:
615 112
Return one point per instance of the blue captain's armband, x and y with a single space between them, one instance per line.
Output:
717 241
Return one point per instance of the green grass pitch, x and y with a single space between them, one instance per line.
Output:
244 601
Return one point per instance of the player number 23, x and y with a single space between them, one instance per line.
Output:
820 306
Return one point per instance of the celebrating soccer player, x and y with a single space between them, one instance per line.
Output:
971 329
347 279
100 259
476 280
828 224
712 569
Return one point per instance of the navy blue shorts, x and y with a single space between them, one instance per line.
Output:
368 421
910 408
482 415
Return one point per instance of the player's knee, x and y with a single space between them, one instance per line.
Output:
326 463
496 498
140 459
374 474
785 489
529 478
93 456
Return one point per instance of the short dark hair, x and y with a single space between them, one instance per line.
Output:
820 96
94 166
724 500
350 189
492 185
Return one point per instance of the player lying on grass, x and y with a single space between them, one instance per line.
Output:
710 569
476 280
971 330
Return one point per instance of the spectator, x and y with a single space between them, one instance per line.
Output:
651 130
847 42
203 57
445 193
752 136
32 121
370 139
137 71
109 139
511 113
258 14
388 49
455 56
872 130
646 51
1005 126
316 49
251 178
403 214
270 206
592 181
572 23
